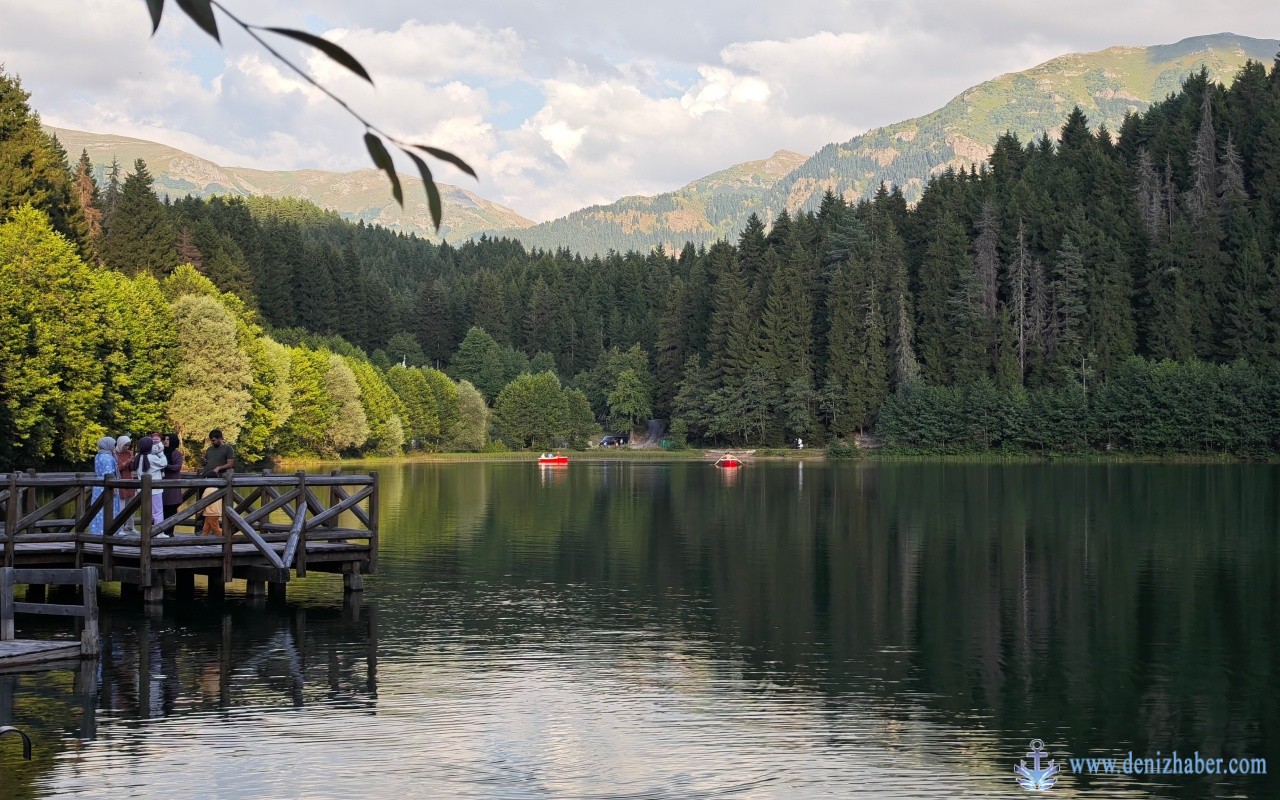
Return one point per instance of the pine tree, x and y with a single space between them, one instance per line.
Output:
1069 309
34 168
1245 332
491 309
967 345
785 345
986 258
1203 196
692 409
140 236
1150 197
672 347
946 261
429 323
88 196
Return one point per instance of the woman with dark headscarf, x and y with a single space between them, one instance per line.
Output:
172 470
104 464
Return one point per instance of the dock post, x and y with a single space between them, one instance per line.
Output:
89 644
186 583
352 582
153 593
217 586
254 589
6 604
277 591
11 516
36 593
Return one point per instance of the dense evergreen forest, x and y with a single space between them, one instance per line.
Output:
1109 291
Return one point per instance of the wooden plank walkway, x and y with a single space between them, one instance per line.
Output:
26 652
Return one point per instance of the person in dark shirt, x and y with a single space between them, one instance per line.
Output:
220 456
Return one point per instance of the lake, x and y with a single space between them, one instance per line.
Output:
670 630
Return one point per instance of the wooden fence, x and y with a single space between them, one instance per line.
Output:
278 521
86 609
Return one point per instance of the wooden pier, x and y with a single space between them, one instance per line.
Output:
274 527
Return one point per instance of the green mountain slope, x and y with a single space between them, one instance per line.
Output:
1106 84
710 208
361 195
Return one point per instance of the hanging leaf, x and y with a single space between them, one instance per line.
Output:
445 155
433 192
156 7
201 13
382 160
328 48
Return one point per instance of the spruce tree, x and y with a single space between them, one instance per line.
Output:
1069 309
140 237
34 168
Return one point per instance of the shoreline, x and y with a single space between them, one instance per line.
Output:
780 455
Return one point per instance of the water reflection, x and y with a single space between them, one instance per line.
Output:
192 664
658 630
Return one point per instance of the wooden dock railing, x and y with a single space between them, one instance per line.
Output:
273 522
86 609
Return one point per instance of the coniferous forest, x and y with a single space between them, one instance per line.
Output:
1107 290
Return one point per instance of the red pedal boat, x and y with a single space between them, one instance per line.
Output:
553 460
727 461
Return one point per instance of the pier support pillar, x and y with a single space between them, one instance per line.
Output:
128 591
352 582
186 582
153 593
35 593
254 589
217 587
276 591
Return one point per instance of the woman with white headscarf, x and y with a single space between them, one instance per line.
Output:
104 464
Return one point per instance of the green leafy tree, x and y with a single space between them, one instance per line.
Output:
348 427
471 432
421 414
447 399
479 360
138 352
387 415
530 411
50 373
630 401
304 432
579 422
214 373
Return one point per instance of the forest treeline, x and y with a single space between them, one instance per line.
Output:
1112 291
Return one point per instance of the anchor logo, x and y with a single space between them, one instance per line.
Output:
1036 779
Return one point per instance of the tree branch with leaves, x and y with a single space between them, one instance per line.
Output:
201 12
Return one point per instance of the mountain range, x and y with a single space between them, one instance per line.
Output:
1106 85
360 195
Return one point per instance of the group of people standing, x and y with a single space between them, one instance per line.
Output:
160 457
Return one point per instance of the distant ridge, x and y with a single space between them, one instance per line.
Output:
1106 85
361 195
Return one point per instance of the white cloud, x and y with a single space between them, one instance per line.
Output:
559 108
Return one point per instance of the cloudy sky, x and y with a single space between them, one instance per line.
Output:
560 105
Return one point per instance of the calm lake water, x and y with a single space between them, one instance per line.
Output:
645 630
